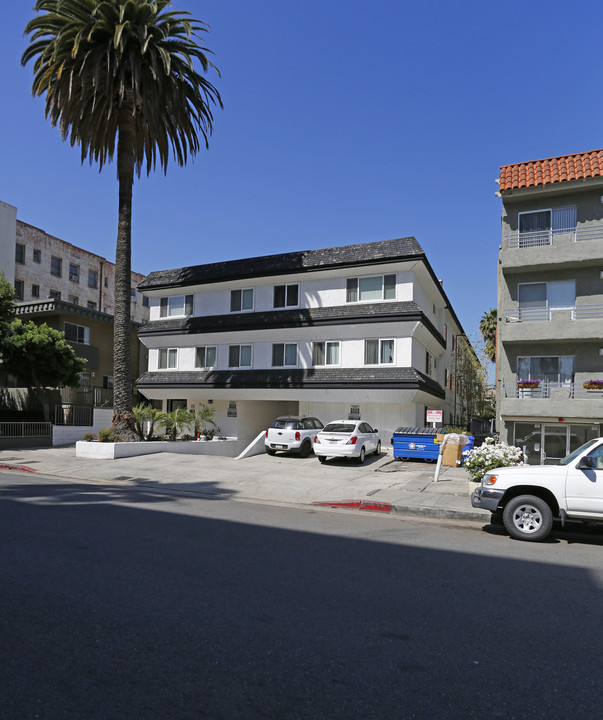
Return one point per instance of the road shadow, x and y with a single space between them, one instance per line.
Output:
117 606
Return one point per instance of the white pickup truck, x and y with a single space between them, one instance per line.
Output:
528 497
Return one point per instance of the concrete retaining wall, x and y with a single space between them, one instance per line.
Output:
111 451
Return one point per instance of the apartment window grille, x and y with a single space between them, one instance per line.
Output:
370 289
325 353
284 354
239 356
176 306
56 266
378 352
20 253
241 300
168 358
84 379
286 296
93 278
77 333
108 382
205 357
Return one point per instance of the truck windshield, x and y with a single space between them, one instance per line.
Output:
573 455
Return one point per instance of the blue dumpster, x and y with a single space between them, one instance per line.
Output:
468 447
417 442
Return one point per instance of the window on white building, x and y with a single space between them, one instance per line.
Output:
239 356
369 289
378 352
205 357
286 295
241 300
168 358
325 353
176 306
284 354
77 333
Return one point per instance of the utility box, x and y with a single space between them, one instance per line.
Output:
421 443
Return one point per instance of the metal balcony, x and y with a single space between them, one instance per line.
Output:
546 237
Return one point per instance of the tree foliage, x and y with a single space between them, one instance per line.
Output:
7 302
39 356
120 79
487 328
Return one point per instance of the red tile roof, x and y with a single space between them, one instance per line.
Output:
551 170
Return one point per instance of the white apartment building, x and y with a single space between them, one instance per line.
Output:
357 331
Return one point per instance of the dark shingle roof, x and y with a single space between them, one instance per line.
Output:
383 377
292 262
303 317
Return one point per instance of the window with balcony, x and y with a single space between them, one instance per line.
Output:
547 369
325 353
284 354
537 300
370 289
205 357
176 306
539 226
77 333
20 253
241 300
168 358
378 352
286 296
74 272
239 356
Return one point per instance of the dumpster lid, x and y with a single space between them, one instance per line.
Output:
419 431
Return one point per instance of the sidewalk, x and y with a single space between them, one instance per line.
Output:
380 484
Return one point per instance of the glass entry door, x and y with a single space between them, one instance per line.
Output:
554 444
547 444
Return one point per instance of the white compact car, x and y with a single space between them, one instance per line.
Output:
294 434
346 438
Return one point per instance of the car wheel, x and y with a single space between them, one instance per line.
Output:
378 450
528 518
270 451
362 455
321 458
305 449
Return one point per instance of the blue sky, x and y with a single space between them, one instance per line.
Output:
345 121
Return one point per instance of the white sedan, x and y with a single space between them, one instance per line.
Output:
346 438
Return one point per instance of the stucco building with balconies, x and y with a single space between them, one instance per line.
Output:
550 304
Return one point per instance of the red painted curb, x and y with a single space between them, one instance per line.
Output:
24 468
356 505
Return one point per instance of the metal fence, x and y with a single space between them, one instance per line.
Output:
73 415
25 429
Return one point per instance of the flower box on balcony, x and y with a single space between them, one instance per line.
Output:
533 384
593 384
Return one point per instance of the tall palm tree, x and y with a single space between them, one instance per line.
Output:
120 80
487 327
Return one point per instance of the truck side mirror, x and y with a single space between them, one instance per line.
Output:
586 463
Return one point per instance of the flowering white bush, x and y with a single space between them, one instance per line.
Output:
492 455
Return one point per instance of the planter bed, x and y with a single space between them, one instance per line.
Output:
112 451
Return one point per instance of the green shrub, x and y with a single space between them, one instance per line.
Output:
108 435
89 437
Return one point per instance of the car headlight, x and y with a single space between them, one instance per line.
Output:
489 479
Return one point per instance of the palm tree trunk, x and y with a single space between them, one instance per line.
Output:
123 418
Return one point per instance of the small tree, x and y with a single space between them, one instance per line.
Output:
174 422
203 419
473 398
39 356
145 414
7 302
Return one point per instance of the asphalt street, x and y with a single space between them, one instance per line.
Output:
120 602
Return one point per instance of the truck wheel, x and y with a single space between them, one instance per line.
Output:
528 517
305 449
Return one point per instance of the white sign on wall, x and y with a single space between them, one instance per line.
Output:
434 416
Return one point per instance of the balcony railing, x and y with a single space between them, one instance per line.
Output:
546 237
569 390
544 313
